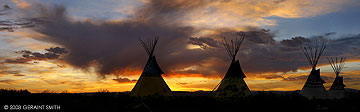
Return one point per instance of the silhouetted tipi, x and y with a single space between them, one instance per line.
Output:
233 83
337 88
313 87
151 81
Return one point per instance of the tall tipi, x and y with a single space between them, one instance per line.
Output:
337 88
233 83
313 87
151 81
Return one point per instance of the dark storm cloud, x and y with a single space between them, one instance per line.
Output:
57 50
4 9
168 11
112 46
204 42
295 41
260 53
27 56
261 36
274 57
330 33
260 57
166 6
123 80
9 20
16 61
347 46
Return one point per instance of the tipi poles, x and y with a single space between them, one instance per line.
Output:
337 65
321 50
313 54
216 86
233 46
149 44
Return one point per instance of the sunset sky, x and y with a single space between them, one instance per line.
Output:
87 45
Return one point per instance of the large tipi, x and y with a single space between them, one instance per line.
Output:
151 81
233 83
313 87
337 88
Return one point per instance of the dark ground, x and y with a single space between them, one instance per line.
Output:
184 101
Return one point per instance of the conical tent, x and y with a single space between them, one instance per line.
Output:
337 88
151 81
233 83
313 87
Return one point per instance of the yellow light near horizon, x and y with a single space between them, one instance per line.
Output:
75 81
191 46
191 83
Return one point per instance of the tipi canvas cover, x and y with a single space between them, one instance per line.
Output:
313 87
151 81
337 88
233 83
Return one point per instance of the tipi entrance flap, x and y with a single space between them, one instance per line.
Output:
152 68
235 70
314 77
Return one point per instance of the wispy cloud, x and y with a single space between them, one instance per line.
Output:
27 56
124 80
10 81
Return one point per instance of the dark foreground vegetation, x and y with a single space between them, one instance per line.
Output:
119 102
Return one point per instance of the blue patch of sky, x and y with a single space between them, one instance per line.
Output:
346 21
95 9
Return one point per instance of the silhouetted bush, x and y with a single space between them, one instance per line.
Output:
7 92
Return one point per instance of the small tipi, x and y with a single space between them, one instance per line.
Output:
233 83
151 81
337 88
313 87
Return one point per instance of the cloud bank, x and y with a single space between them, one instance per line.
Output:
112 46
